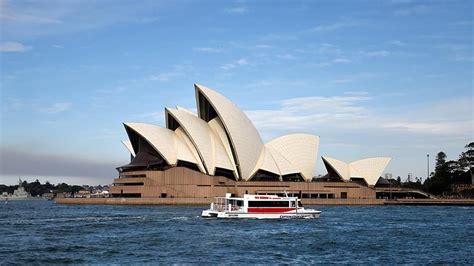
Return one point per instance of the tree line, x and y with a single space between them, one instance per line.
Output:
447 176
37 189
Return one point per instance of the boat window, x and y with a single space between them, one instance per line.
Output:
300 204
269 204
292 204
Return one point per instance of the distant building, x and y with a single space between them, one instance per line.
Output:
18 194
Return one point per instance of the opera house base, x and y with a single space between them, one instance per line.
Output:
181 185
201 201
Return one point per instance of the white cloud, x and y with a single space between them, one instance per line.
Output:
175 72
377 53
56 108
263 46
13 47
352 113
279 37
240 62
396 43
334 26
412 10
207 49
22 20
286 56
238 10
333 62
341 60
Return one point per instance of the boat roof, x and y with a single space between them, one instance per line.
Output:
259 197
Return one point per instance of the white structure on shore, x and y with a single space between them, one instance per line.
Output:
369 169
219 140
18 194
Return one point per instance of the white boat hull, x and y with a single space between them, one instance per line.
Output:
259 207
236 215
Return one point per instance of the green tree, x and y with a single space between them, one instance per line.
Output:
440 182
466 160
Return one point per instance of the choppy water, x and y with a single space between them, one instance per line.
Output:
45 232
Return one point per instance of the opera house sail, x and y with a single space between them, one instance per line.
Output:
218 150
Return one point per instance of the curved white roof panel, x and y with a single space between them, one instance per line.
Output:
199 133
218 128
129 147
341 168
162 139
244 138
268 162
301 150
186 150
370 169
208 145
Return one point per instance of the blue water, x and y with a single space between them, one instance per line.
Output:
45 232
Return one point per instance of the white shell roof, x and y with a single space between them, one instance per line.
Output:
208 145
342 168
244 137
218 128
268 161
284 166
301 150
129 147
186 150
370 169
162 139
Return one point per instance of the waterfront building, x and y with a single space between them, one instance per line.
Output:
218 150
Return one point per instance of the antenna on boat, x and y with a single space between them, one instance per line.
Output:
286 194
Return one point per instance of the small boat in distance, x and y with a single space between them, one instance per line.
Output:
259 207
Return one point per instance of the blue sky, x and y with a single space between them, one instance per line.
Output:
371 78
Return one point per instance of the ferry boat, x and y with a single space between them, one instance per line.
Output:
259 207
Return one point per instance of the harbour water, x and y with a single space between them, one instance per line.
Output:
45 232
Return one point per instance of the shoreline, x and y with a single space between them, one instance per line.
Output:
206 201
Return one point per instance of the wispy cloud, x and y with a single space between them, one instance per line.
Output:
333 62
175 72
237 63
396 43
56 108
13 47
207 49
279 37
352 111
31 19
341 60
333 26
286 56
376 53
413 10
462 23
114 90
239 10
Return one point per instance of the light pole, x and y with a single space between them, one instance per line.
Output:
427 166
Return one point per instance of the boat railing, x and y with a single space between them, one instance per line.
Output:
221 204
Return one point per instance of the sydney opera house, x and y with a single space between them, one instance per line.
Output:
218 150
